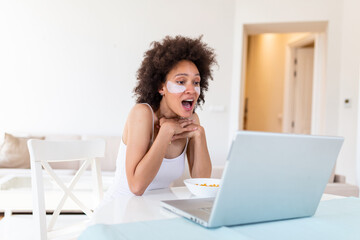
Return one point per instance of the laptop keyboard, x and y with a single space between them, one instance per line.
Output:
206 209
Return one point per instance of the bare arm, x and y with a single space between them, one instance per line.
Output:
197 152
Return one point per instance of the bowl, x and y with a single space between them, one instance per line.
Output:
203 187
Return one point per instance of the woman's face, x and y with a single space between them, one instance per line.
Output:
182 88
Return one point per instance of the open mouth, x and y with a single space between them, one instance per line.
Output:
188 104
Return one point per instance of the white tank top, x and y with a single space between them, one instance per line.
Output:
170 170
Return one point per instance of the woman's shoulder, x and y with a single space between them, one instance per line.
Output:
139 119
195 118
141 111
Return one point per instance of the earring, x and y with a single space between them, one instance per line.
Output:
162 94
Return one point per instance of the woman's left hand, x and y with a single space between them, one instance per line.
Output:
192 134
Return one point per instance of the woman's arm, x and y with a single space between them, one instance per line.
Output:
197 152
142 163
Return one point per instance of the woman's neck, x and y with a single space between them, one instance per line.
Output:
165 111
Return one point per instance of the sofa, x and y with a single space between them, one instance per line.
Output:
14 161
14 153
338 186
15 172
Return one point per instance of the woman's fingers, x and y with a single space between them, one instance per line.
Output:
187 132
185 120
185 124
189 128
179 125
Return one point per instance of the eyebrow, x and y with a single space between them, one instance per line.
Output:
185 74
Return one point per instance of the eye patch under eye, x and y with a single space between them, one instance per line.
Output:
175 88
197 90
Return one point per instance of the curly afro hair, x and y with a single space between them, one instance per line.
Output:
162 57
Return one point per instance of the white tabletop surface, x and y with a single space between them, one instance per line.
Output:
147 207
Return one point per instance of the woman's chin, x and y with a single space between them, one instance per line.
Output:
186 114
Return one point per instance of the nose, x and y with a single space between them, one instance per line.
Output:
190 88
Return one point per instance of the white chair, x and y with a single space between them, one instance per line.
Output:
42 153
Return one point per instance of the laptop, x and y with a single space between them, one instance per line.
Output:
267 177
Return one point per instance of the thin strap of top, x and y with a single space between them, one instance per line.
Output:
152 133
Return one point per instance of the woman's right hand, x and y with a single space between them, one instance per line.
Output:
176 126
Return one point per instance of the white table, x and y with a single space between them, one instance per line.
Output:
126 209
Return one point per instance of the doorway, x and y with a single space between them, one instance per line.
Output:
265 82
279 105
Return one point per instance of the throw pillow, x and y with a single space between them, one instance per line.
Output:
14 152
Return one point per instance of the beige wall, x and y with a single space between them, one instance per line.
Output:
265 76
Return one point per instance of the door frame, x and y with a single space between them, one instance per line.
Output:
319 81
318 92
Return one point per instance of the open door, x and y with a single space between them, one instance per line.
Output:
265 83
282 118
302 90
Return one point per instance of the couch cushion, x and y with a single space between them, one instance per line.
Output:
342 189
14 152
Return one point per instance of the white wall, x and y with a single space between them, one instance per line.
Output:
341 49
69 66
349 89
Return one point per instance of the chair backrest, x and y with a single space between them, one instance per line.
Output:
41 153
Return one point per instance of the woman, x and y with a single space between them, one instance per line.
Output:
163 125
